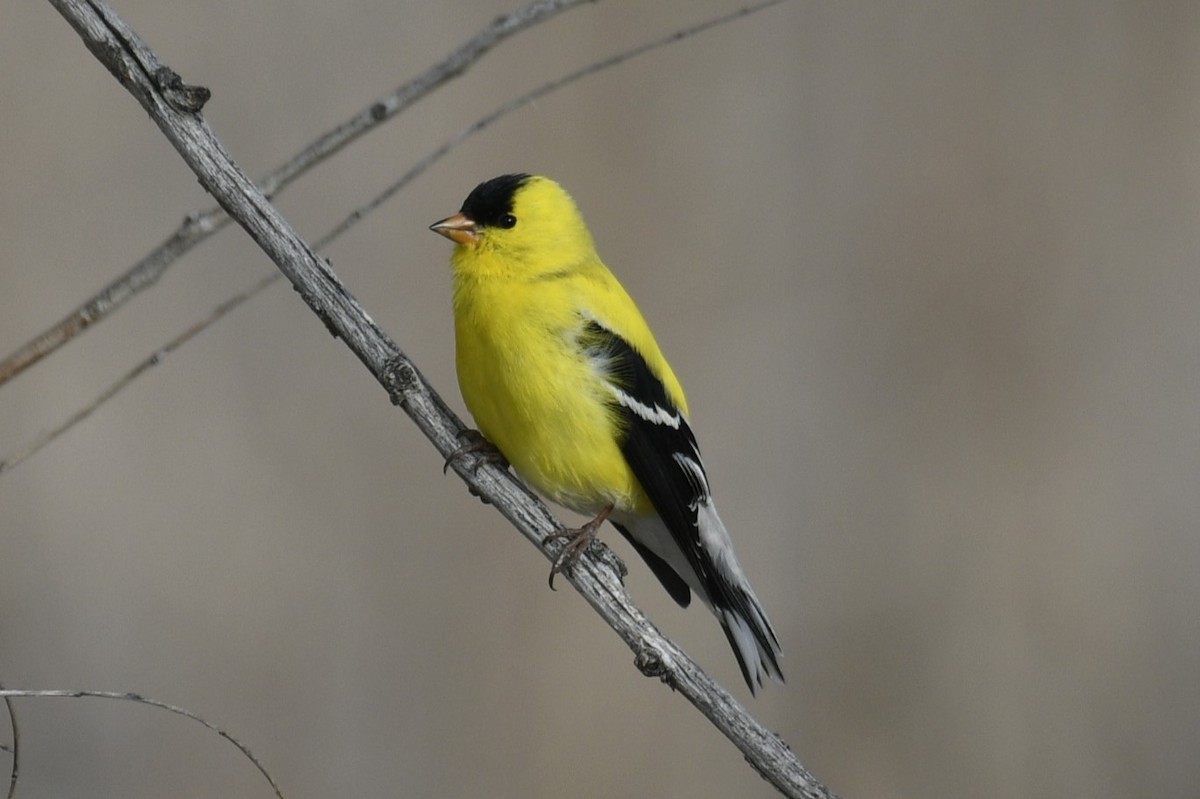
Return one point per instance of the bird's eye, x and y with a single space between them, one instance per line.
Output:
508 221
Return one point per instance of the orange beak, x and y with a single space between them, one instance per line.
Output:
460 229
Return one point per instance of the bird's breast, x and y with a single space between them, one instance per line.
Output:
536 395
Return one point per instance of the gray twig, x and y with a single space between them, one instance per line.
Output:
9 693
15 749
154 359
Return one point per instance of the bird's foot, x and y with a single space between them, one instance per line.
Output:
476 444
578 539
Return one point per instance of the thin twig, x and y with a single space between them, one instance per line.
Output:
198 226
158 357
15 749
9 693
537 94
363 211
136 67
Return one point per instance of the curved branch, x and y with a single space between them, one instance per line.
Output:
15 749
8 694
136 68
198 226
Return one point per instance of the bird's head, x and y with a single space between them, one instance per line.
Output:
525 224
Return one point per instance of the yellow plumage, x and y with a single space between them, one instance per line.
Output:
561 373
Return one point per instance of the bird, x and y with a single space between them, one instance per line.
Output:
564 378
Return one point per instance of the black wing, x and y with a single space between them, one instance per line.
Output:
661 450
659 446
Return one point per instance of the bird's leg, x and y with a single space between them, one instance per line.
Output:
477 444
578 539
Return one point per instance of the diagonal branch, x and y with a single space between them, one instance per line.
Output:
10 462
198 226
139 70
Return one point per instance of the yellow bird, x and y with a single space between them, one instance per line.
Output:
564 377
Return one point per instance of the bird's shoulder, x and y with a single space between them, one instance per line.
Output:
608 310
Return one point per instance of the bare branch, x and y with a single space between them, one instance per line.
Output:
9 463
15 749
137 371
538 93
198 226
140 71
8 694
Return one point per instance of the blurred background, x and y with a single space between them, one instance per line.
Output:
928 271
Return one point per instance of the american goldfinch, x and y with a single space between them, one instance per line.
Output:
564 377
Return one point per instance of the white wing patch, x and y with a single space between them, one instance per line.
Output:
654 415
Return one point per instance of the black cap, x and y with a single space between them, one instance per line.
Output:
490 204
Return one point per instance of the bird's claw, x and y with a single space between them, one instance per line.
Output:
578 539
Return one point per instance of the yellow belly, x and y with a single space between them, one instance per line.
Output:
536 398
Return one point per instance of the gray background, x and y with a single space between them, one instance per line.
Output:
928 271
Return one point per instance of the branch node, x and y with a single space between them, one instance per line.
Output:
650 662
400 379
183 97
